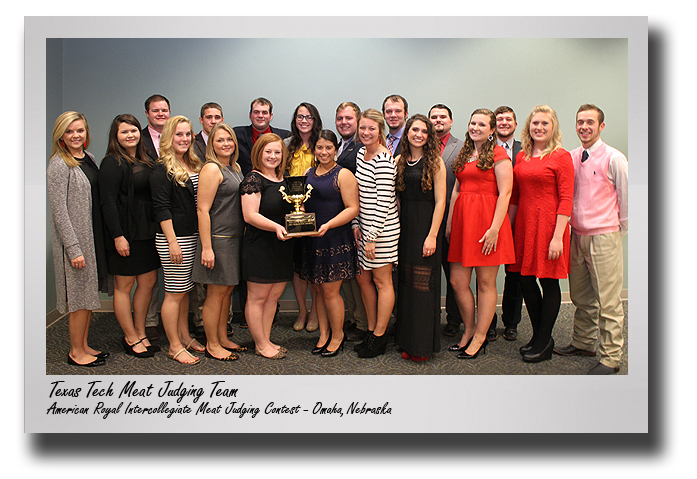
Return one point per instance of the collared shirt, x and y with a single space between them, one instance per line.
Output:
301 161
204 136
443 142
155 135
507 145
256 134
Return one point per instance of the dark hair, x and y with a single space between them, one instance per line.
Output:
329 136
590 106
211 105
295 141
441 107
430 155
261 101
155 97
505 109
486 156
115 149
395 98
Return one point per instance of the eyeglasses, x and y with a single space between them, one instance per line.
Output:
304 117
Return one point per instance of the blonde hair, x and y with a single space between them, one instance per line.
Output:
210 151
486 155
175 168
62 123
377 117
554 142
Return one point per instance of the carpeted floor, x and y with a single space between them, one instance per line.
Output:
502 356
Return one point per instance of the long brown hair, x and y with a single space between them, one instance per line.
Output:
430 155
115 149
486 155
210 152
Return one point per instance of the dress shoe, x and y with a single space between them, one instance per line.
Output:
544 355
152 347
451 329
364 343
510 334
456 348
199 332
572 350
355 335
492 335
128 348
151 333
375 347
93 364
482 349
102 355
601 370
326 353
319 349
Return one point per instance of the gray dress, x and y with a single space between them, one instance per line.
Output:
227 229
70 197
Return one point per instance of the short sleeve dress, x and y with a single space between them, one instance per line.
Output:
542 188
265 258
378 217
227 228
331 257
473 213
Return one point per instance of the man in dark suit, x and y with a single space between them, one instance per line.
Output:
346 121
395 111
442 118
260 114
512 302
157 111
211 115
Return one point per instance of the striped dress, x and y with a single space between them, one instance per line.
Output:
378 218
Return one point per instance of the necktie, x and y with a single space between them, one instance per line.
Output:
508 150
341 147
390 142
584 157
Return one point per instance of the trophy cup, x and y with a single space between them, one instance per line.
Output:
298 223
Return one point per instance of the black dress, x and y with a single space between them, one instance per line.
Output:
265 258
418 294
331 257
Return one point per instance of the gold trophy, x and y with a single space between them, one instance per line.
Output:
298 223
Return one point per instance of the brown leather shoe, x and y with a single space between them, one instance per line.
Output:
572 351
151 333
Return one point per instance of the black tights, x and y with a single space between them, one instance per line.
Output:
543 308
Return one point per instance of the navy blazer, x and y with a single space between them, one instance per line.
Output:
244 143
347 158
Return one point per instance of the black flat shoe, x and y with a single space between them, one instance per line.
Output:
97 362
128 348
328 354
320 349
543 355
102 354
482 349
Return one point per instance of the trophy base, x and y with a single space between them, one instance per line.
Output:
301 224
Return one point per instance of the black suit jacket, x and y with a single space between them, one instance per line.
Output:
244 142
516 149
149 145
347 158
200 147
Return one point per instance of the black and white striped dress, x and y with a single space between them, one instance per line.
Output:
178 277
378 218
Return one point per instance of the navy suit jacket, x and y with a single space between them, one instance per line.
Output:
347 158
244 142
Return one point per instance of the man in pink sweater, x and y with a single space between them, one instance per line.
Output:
598 222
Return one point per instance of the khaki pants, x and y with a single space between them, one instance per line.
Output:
354 303
595 286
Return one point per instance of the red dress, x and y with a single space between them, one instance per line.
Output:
542 189
473 212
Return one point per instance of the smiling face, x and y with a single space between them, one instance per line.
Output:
541 129
128 137
505 125
325 152
260 116
480 128
417 134
210 118
181 141
395 115
441 121
223 145
346 122
304 121
158 114
588 128
74 137
271 157
368 131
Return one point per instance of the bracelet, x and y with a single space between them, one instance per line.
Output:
369 241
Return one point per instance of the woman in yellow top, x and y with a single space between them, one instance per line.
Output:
305 128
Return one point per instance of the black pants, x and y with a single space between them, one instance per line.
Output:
512 302
543 308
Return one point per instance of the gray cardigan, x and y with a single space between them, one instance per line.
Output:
70 198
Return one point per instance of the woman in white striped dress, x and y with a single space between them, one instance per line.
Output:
174 183
376 230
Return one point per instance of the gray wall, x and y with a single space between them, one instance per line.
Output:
103 77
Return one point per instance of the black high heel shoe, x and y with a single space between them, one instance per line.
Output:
457 349
152 347
320 349
375 347
543 355
363 343
128 348
328 354
482 349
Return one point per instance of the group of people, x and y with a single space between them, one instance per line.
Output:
396 197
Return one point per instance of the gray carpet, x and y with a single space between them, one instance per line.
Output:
502 357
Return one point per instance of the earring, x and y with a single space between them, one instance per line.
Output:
491 137
62 143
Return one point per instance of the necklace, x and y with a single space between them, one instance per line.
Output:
413 163
472 158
